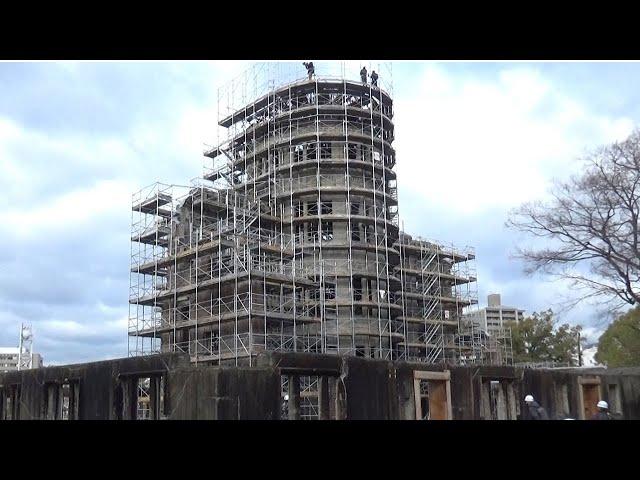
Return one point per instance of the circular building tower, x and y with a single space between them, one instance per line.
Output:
318 155
291 243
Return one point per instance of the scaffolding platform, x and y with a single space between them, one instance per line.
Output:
152 205
297 204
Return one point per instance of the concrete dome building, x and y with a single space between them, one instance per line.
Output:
291 241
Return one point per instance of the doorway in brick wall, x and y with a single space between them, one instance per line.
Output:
432 391
589 396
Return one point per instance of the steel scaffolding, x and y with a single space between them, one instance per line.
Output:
438 285
290 241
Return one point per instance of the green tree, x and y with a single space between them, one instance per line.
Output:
530 337
619 345
564 344
537 339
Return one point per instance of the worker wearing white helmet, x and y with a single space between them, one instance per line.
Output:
603 411
536 411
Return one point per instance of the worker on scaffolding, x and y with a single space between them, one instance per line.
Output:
374 78
536 411
363 74
310 69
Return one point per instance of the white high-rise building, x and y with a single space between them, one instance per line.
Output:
9 357
496 316
21 357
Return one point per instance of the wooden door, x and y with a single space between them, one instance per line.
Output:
591 396
432 392
438 405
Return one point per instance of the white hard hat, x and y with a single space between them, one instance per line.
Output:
528 398
603 404
286 398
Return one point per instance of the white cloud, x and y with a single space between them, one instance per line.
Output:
196 128
468 144
588 357
465 145
70 209
71 328
471 148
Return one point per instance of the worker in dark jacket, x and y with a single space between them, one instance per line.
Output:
536 411
311 71
374 78
603 411
363 74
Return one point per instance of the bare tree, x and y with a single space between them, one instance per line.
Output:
592 223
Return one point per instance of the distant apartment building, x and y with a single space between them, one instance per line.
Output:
9 359
495 316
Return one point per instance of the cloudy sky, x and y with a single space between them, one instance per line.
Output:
473 140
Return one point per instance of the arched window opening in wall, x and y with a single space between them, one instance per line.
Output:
312 208
325 150
327 231
352 151
311 397
366 153
312 149
276 155
312 232
498 399
369 234
357 288
355 232
141 397
329 291
299 233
